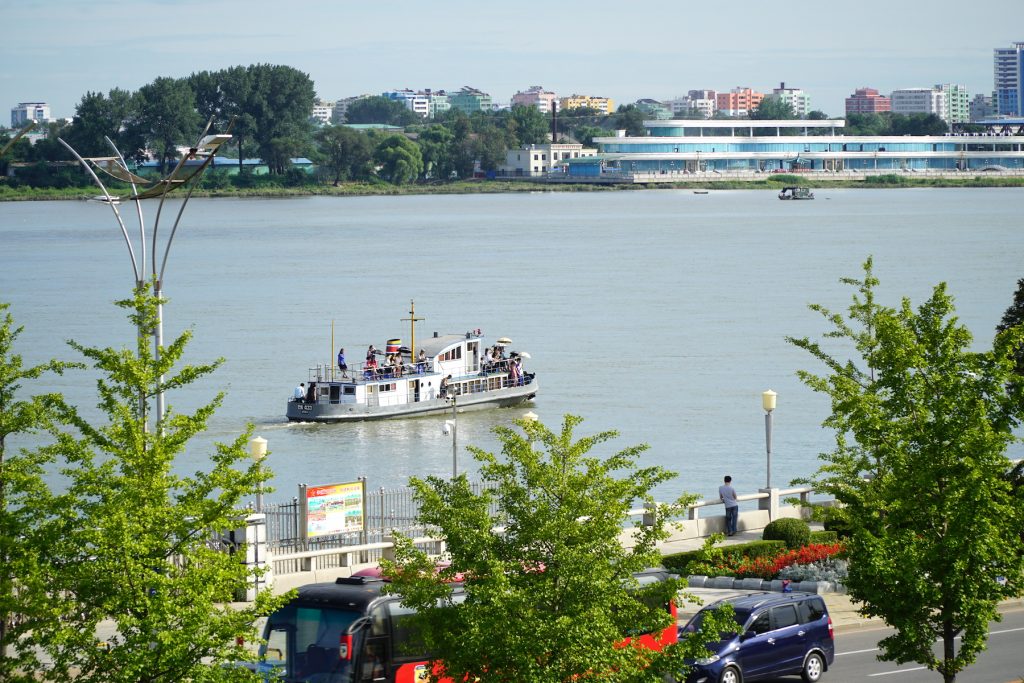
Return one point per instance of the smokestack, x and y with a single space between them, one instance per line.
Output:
554 122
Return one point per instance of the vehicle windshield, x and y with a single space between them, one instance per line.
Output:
304 644
695 623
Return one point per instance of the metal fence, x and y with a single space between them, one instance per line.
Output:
387 510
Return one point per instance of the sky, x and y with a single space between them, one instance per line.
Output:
55 51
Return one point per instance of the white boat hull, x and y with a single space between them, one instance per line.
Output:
324 410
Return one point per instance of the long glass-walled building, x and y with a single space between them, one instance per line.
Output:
686 146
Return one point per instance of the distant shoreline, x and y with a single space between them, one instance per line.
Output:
506 187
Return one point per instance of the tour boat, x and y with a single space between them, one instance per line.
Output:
796 193
441 373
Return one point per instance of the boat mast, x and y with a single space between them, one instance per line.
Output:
412 329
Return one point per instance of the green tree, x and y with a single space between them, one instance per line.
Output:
21 483
166 118
345 153
922 427
528 126
399 158
550 587
585 134
228 96
774 108
630 119
436 147
280 100
131 542
490 146
379 109
1014 317
97 117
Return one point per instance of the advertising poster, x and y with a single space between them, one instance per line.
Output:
334 509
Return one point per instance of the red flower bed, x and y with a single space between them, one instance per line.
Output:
769 567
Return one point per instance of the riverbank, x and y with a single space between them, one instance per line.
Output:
512 186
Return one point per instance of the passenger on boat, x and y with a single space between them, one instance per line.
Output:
396 364
421 362
370 367
300 392
342 365
444 387
370 353
311 392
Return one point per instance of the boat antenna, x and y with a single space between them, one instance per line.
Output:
412 329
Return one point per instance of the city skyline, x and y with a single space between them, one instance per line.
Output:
57 51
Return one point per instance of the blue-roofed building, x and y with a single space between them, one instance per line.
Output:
674 149
227 165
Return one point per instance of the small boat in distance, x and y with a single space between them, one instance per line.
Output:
106 199
796 193
445 371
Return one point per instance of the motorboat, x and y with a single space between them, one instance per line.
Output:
796 193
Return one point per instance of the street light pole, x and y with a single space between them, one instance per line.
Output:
258 451
768 403
455 439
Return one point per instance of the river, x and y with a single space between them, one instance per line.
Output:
661 314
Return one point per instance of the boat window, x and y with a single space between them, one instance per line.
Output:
350 391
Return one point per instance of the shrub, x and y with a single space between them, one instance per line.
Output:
824 537
795 532
829 569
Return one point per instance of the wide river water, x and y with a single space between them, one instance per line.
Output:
661 314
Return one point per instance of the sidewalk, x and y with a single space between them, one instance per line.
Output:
845 617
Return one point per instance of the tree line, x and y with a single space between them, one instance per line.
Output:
267 109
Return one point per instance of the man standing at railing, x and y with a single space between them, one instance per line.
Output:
732 507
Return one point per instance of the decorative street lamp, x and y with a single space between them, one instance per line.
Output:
258 451
203 152
768 403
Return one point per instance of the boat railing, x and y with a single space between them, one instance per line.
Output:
360 373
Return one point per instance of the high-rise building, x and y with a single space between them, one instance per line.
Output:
29 111
919 101
867 101
958 102
738 101
536 96
797 99
1009 80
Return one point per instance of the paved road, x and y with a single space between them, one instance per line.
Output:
856 652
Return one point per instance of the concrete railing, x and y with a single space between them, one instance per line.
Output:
285 571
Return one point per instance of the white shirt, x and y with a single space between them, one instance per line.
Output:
300 393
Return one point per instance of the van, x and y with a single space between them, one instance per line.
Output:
777 634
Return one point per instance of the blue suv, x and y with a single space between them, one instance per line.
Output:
778 634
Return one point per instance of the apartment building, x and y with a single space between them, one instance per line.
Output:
579 101
30 111
797 99
536 96
867 101
738 101
919 101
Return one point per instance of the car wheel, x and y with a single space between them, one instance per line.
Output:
814 667
731 675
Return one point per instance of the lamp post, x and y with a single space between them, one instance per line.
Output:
452 427
258 451
768 403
